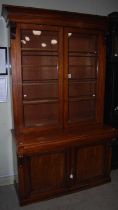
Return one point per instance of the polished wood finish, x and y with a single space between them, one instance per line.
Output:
59 163
58 77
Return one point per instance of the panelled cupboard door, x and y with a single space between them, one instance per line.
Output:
91 163
39 75
83 71
44 173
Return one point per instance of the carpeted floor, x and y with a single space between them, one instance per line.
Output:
104 197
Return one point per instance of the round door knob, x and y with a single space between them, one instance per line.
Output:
25 95
71 176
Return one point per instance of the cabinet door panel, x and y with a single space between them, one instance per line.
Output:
90 162
47 171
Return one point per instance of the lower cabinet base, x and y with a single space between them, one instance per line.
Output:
42 197
58 165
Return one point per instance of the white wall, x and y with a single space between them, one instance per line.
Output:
101 7
6 168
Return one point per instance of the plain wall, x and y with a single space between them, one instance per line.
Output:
101 7
6 166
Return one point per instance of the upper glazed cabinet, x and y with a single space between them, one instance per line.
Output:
58 69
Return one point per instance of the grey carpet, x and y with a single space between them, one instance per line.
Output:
104 197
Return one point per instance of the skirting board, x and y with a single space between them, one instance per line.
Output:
6 180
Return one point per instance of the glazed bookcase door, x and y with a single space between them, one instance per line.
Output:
41 76
82 77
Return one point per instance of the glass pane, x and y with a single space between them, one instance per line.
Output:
82 89
40 40
40 114
83 110
82 43
82 69
40 91
39 62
